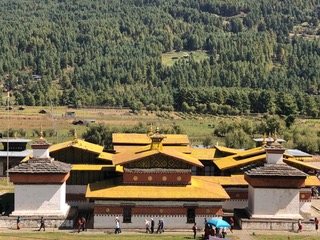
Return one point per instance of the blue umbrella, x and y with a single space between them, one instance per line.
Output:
219 223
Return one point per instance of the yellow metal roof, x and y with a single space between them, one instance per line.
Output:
130 156
252 151
60 146
92 167
233 180
135 138
183 149
123 148
295 162
105 156
203 153
312 181
198 190
228 150
80 144
26 158
230 162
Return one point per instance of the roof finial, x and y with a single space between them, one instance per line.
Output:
75 136
275 135
150 133
41 133
264 142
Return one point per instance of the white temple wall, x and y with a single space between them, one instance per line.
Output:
274 203
305 207
31 199
41 153
138 221
274 158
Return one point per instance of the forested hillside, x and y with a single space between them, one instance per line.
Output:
262 55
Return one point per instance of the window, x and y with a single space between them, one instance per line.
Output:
191 215
127 214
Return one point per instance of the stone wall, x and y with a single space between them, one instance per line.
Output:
33 222
264 224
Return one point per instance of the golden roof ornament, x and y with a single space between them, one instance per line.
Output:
41 140
275 142
150 133
75 136
264 142
156 140
41 133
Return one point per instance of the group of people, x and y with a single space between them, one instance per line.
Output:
209 230
42 225
82 224
151 224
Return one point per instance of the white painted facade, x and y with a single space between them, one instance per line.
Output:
274 158
44 199
138 220
41 153
274 203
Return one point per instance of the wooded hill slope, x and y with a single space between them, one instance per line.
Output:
260 55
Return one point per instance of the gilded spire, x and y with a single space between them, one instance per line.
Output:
264 142
275 135
41 140
75 136
156 140
41 133
150 133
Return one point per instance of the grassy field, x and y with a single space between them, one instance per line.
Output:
59 128
170 58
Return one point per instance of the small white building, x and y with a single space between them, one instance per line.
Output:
40 184
274 188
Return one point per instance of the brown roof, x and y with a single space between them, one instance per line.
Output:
41 165
274 170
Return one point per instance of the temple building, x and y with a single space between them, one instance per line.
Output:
13 152
162 176
156 182
40 185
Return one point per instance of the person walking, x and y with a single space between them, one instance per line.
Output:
316 223
117 227
18 223
152 225
299 226
147 224
79 224
83 223
42 224
194 229
224 232
231 224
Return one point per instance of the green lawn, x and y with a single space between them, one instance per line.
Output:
285 237
76 236
170 58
